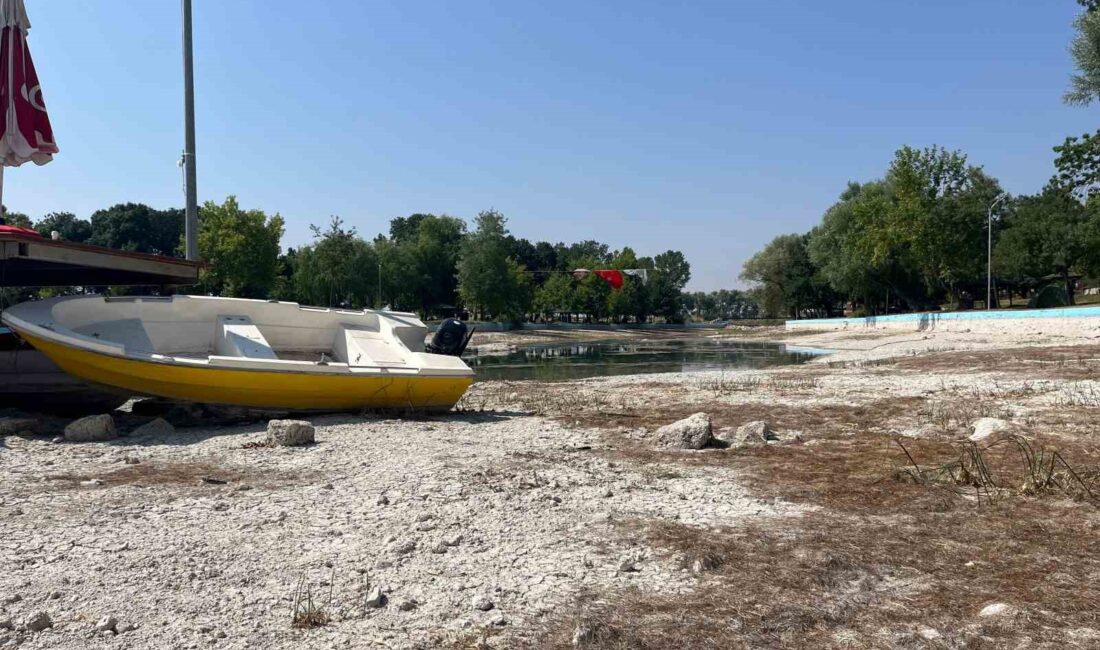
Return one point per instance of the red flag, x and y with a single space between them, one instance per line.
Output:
614 278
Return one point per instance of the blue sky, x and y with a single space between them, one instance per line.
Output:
707 127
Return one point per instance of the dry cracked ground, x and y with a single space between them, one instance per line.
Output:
543 515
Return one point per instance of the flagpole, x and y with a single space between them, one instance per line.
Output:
191 221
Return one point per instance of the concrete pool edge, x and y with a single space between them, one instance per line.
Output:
1061 320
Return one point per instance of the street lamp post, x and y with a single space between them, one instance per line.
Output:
989 252
379 284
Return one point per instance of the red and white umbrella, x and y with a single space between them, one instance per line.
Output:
25 132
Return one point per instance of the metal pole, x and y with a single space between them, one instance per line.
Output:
191 222
989 259
379 284
989 253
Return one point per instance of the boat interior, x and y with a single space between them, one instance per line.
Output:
232 332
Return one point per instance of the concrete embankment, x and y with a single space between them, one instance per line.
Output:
1065 321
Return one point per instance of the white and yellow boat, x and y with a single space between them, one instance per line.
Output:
253 353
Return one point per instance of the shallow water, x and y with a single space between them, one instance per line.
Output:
556 362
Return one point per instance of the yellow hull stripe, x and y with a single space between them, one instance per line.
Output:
254 388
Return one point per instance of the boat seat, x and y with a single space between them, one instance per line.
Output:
362 346
238 337
128 332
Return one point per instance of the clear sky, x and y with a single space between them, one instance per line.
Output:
706 126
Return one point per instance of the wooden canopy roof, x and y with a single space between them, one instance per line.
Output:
28 261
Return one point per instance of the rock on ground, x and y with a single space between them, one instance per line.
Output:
157 427
37 622
375 598
997 609
94 428
290 433
983 428
693 432
757 432
8 426
108 623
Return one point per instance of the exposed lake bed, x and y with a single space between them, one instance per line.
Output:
544 511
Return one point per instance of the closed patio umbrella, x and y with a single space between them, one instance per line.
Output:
25 132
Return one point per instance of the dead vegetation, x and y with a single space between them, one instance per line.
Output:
723 384
990 471
878 564
307 613
905 543
158 473
1061 362
826 581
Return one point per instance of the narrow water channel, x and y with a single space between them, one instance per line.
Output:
556 362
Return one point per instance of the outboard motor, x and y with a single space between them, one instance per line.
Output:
451 338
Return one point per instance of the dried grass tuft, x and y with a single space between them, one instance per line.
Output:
1040 471
308 614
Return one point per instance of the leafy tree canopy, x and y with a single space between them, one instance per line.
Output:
1084 85
241 248
67 225
139 228
490 281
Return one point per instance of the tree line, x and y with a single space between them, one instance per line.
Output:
431 264
916 238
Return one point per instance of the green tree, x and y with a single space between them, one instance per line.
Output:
586 254
939 216
17 219
434 255
839 246
284 277
1078 164
338 270
67 225
671 273
784 277
241 248
555 296
1047 234
490 282
1085 50
139 228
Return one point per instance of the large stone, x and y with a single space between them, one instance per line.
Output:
375 598
757 432
690 433
289 433
107 624
983 428
94 428
158 427
9 426
37 622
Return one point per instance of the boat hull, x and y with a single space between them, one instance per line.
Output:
254 388
31 382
